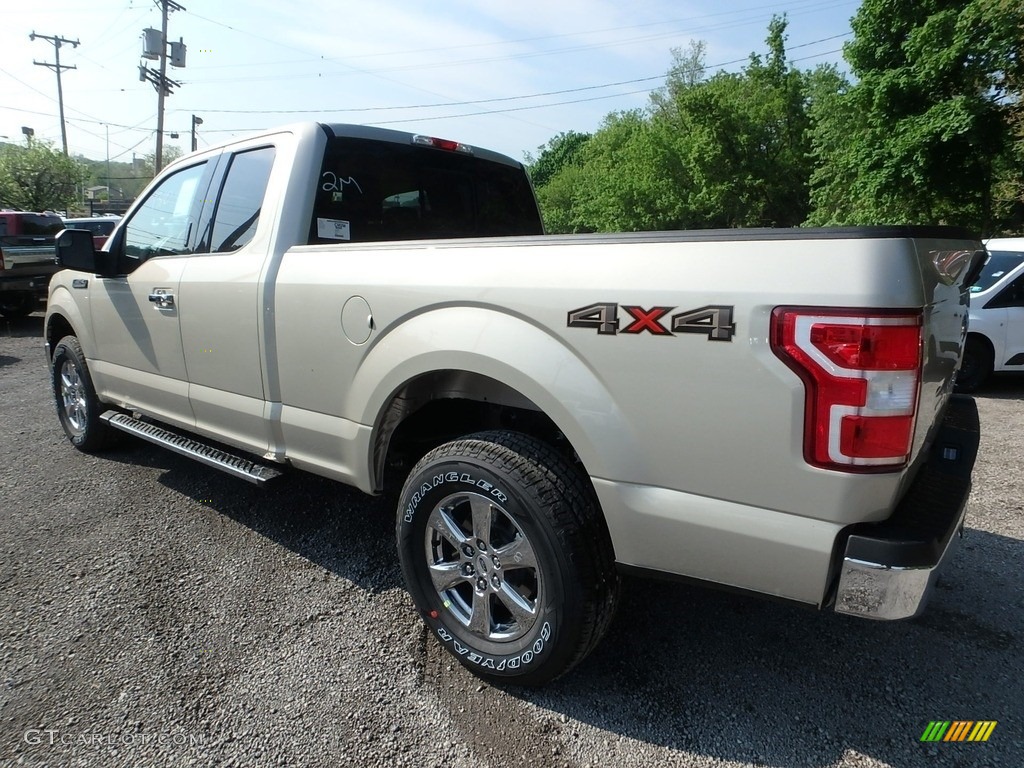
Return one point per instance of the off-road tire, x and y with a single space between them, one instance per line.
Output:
78 408
521 585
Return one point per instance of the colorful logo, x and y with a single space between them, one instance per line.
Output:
959 730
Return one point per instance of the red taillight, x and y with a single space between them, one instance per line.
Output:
861 371
446 144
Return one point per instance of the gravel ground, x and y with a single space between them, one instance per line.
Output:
156 612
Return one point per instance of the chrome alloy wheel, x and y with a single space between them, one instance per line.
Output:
72 394
483 567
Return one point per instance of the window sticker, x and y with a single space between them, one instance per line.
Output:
333 229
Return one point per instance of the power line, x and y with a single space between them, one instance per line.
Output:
562 92
57 41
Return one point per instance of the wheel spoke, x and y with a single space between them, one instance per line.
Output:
480 620
446 575
517 554
521 609
442 522
482 514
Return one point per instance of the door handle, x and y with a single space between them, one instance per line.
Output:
162 299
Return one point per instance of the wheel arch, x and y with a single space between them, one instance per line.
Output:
515 370
63 318
983 339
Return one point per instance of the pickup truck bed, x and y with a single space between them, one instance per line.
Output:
28 259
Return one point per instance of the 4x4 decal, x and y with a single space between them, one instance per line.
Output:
713 320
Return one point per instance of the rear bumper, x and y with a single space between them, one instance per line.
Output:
889 569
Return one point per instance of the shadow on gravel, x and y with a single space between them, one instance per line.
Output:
8 360
330 524
22 327
1003 386
747 680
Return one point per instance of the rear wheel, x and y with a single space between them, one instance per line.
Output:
78 408
976 365
506 556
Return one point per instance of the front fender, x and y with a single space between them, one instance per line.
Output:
62 302
514 351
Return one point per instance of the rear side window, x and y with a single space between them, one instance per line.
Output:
241 199
40 224
31 224
379 190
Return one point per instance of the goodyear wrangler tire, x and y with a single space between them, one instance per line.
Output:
506 556
77 405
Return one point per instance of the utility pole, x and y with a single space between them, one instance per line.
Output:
195 121
57 40
160 81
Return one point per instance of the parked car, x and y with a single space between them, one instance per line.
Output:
995 341
28 259
100 226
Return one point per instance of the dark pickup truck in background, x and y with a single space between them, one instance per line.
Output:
27 259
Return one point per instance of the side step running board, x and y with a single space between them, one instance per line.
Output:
186 446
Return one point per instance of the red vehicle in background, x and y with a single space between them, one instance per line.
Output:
28 258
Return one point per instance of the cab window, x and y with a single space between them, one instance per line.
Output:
162 225
241 199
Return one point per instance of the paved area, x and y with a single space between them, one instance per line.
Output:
156 612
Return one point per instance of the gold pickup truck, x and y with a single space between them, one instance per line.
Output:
764 410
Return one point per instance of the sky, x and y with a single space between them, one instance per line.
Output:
507 76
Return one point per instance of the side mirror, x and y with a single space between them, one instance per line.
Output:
75 250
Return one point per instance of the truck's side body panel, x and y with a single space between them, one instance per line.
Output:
651 354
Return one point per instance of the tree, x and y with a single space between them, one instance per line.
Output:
923 136
728 150
170 153
564 149
37 177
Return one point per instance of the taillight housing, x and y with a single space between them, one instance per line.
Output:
446 144
861 370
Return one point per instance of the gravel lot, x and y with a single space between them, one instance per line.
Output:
156 612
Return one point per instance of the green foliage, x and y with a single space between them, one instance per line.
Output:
930 131
722 151
923 137
561 151
170 154
125 180
37 177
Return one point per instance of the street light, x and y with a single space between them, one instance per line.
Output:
29 133
195 121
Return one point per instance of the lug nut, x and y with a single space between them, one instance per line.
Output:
495 582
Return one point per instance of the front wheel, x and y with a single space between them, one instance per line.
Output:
78 408
506 556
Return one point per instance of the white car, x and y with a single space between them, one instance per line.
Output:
996 338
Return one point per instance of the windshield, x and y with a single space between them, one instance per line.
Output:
372 190
998 264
